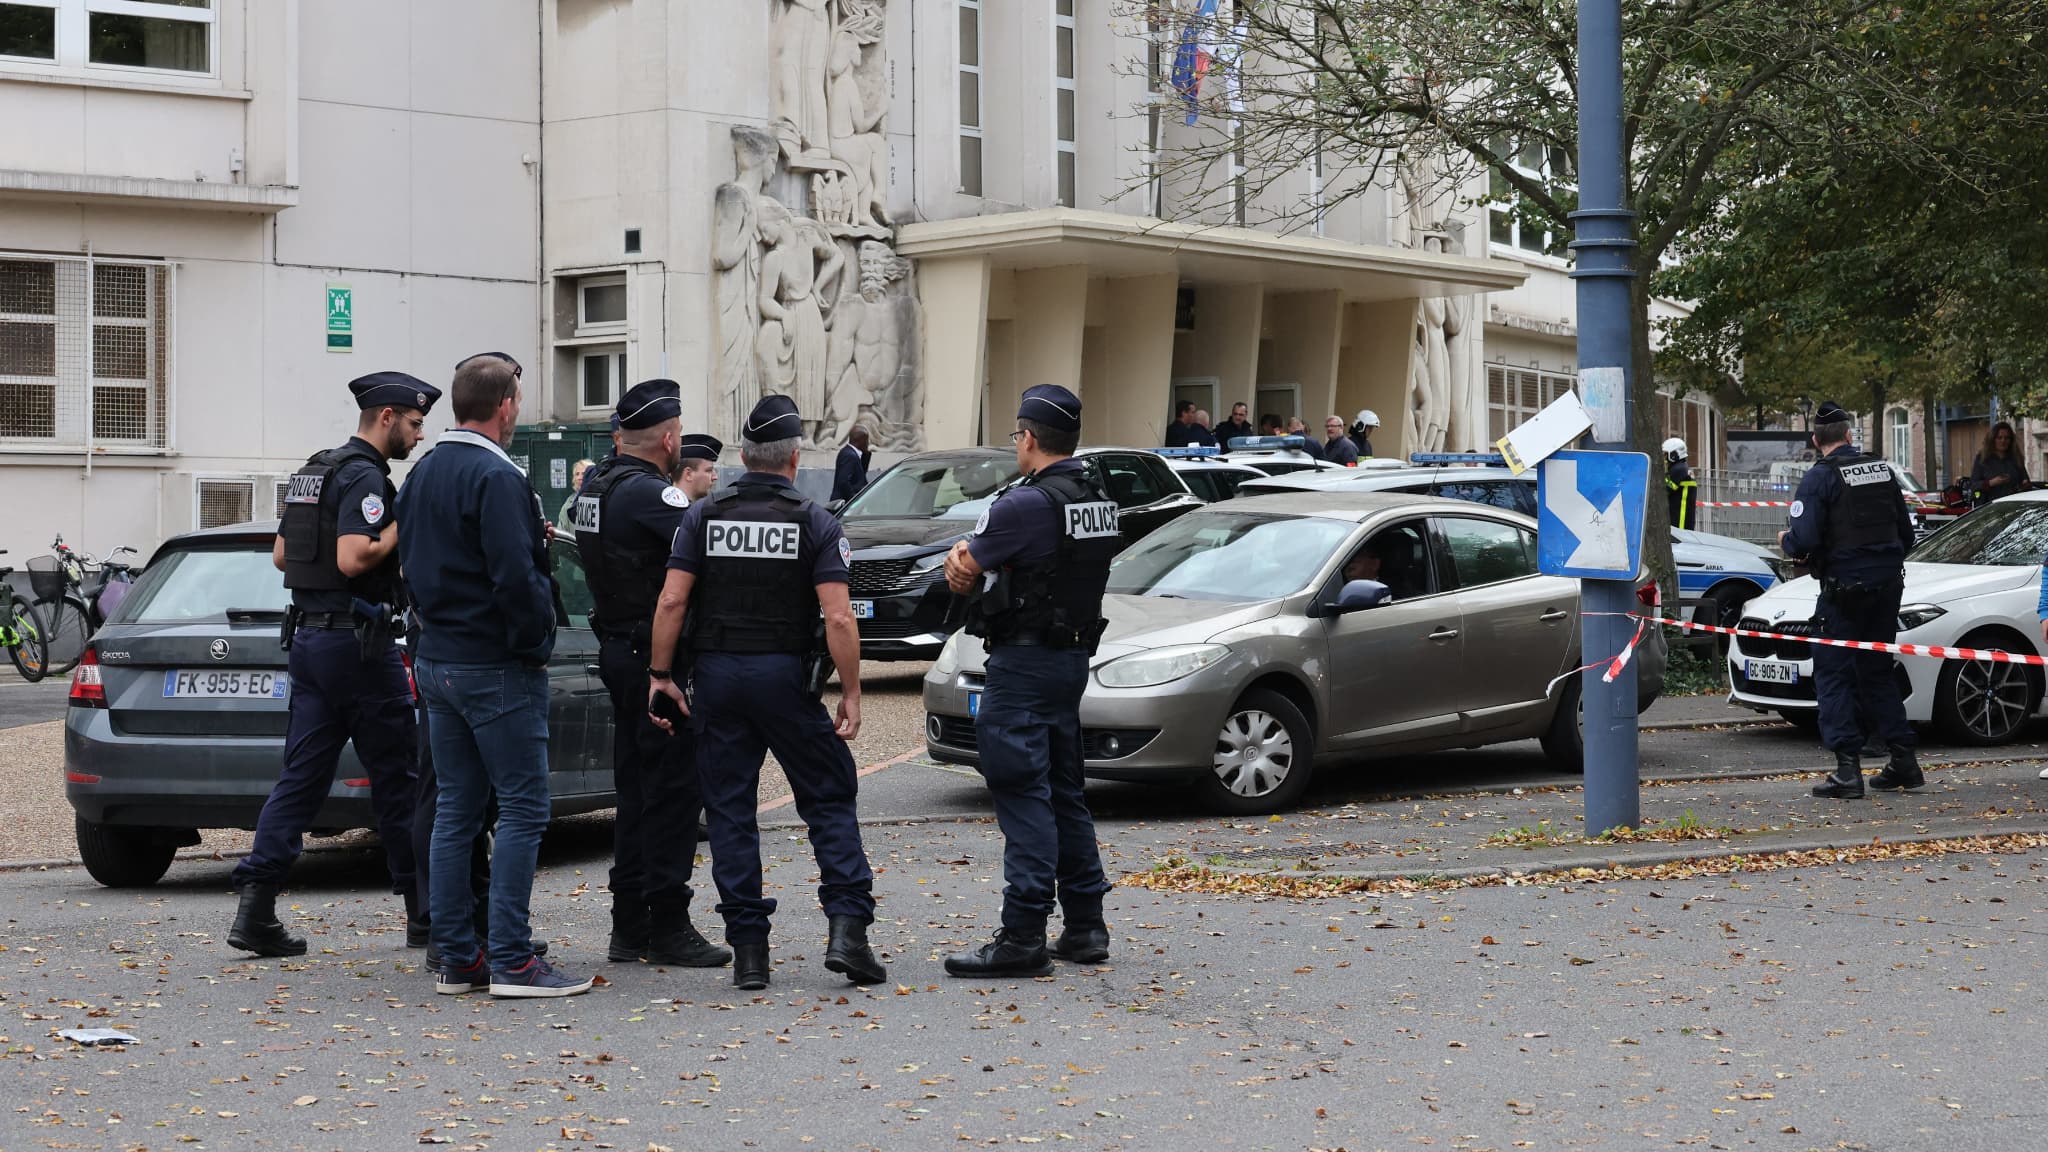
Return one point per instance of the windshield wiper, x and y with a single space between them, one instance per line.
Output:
254 615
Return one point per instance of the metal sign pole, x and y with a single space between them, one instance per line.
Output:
1605 248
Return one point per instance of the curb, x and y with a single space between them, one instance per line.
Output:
1701 850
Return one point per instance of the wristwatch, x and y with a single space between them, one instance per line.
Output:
659 674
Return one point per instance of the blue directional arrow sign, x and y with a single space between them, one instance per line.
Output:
1590 514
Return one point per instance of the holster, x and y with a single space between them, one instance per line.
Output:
291 626
818 663
376 626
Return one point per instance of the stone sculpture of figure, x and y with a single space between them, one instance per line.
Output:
736 271
799 271
867 346
857 140
802 42
1468 424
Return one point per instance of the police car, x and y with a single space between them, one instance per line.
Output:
1272 455
1720 573
1975 584
178 707
1206 474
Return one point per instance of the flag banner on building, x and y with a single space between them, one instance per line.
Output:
1192 60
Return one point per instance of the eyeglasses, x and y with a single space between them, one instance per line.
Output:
1016 436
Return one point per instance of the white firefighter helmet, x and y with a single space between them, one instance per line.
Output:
1674 449
1367 418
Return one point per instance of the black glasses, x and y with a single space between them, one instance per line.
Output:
1016 436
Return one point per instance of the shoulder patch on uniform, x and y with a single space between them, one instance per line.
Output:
845 551
1798 508
981 523
373 508
674 498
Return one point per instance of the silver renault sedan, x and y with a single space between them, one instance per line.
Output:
1251 642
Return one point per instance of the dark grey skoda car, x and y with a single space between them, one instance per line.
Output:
178 708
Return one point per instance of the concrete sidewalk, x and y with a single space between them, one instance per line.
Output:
1699 711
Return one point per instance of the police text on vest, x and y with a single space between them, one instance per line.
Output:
1871 472
586 514
752 539
1092 520
305 488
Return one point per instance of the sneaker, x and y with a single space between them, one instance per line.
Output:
455 979
535 979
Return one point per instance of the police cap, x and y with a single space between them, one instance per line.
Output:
697 446
393 390
1830 413
649 403
1052 406
774 418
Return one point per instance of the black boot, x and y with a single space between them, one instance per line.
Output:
629 933
848 954
1902 772
1874 749
1082 943
1846 783
417 926
750 966
1011 953
256 926
675 941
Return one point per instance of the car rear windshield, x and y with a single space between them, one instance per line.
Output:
1233 556
202 584
2009 533
946 489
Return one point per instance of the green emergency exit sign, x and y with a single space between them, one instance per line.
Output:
341 318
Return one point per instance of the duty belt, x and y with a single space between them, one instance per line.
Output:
327 620
1041 638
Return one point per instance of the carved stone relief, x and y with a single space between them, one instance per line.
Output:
811 299
1446 406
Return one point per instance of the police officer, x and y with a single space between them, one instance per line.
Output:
1035 569
625 516
1850 525
753 567
337 546
1681 491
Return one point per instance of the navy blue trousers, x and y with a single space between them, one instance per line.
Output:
1028 731
337 697
654 773
747 705
1848 683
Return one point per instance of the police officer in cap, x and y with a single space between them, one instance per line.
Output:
754 567
337 546
1034 570
625 517
1850 525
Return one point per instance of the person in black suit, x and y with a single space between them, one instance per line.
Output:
850 472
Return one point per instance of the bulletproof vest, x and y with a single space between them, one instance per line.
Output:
311 524
754 590
1059 600
624 580
1864 510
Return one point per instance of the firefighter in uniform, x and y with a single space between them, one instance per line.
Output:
754 567
625 517
1681 491
1034 571
337 546
1850 525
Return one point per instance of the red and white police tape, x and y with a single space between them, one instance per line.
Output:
1937 651
1745 504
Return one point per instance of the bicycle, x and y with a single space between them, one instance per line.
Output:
21 631
57 582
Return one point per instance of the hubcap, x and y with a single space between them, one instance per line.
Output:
1253 754
1991 698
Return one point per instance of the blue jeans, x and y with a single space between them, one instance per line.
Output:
1029 733
489 731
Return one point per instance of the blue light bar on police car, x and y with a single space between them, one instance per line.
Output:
1457 458
1193 452
1264 443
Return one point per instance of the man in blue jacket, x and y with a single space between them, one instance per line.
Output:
474 545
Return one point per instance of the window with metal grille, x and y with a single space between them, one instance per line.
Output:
277 497
84 352
222 501
970 97
1515 394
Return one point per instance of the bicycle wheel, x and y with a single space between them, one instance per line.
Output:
68 629
30 653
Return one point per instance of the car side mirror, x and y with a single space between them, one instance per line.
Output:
1357 595
836 507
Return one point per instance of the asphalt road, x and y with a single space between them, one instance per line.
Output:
24 703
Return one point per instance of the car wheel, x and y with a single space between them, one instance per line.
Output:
1983 702
123 857
1265 752
1565 743
1723 606
1807 720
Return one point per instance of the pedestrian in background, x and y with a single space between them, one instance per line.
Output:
752 572
1339 449
1184 432
577 472
1998 470
850 471
1309 443
1363 426
1048 542
475 554
1681 491
1849 523
337 545
626 519
1238 425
